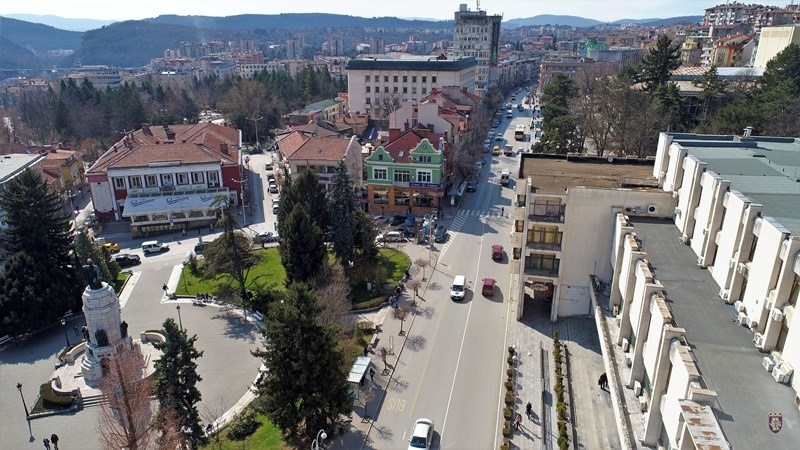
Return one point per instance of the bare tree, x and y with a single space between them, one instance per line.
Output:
422 264
126 414
414 285
388 103
333 294
368 394
401 313
210 415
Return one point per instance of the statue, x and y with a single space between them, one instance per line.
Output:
101 338
123 328
85 331
91 275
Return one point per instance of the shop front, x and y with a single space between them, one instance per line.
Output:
410 199
152 214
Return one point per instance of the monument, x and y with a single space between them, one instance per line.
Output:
105 333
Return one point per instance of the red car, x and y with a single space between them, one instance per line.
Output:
497 252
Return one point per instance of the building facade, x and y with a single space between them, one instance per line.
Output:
166 179
773 40
378 85
321 155
406 176
477 34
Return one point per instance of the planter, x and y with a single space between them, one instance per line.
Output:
510 399
506 431
507 413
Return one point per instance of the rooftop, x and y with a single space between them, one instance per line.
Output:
764 169
12 164
554 174
321 149
413 62
726 357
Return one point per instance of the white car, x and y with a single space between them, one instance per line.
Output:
422 435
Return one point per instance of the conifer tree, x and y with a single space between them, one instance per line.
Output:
342 209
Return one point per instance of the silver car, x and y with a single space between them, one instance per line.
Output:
422 435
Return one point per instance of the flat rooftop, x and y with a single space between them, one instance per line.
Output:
12 163
553 174
765 169
724 351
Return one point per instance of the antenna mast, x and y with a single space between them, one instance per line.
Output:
478 4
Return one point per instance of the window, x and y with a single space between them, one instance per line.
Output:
423 176
424 90
197 178
366 78
213 178
425 159
395 78
402 198
379 174
395 90
135 182
380 197
166 179
377 78
386 89
368 89
405 78
541 262
402 176
368 101
424 79
433 79
182 178
386 78
119 183
150 180
414 79
413 89
423 199
405 90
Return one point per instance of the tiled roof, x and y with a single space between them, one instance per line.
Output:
315 129
192 143
408 141
291 142
321 148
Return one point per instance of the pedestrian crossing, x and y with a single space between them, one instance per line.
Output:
494 212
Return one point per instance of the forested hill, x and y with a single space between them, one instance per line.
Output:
295 21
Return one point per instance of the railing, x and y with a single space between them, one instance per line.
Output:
553 273
544 246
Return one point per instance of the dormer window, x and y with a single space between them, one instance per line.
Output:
380 157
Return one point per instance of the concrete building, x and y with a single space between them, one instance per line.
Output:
773 40
12 165
730 13
572 67
328 110
294 49
445 111
377 45
477 34
100 76
378 85
693 282
321 155
165 178
736 50
248 70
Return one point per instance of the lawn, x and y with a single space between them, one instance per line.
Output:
396 263
266 437
120 281
268 272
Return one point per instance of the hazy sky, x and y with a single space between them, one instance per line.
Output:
608 10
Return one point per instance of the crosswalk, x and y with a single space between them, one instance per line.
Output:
461 218
480 213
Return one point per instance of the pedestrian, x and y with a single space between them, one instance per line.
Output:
184 232
164 287
366 350
46 443
604 379
518 421
502 210
383 353
601 383
528 410
54 440
372 374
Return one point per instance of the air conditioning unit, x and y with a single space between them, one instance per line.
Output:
758 339
743 319
738 305
675 194
770 300
701 262
628 360
616 310
625 345
685 240
678 212
652 210
742 268
732 263
643 404
637 388
752 324
724 294
705 231
768 363
776 315
779 374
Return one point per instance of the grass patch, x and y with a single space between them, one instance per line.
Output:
267 272
396 263
266 437
120 281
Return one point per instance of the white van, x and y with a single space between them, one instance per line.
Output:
153 247
504 176
391 236
459 287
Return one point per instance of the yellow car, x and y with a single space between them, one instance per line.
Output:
496 150
111 246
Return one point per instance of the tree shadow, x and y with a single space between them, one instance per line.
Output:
416 343
397 385
426 312
383 432
434 286
236 327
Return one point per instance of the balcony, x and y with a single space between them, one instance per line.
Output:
544 246
543 265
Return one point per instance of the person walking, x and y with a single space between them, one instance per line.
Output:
528 410
502 210
600 383
54 440
46 443
604 381
518 421
372 374
164 287
366 350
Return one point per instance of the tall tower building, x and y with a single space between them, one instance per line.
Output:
478 34
377 46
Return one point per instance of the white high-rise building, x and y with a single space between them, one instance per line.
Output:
477 34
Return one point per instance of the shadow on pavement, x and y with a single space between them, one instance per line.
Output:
415 343
236 327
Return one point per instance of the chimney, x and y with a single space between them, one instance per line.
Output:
441 144
748 131
146 129
223 147
394 133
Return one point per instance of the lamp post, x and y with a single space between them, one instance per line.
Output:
64 326
70 195
24 405
180 322
255 122
321 436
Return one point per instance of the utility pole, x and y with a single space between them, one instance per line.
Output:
255 122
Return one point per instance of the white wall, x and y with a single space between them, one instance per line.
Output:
735 226
708 216
764 269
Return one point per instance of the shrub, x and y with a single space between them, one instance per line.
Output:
192 265
244 425
510 372
561 409
509 385
511 351
53 397
510 361
510 399
504 446
507 413
506 431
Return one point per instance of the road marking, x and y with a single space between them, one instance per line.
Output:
505 345
396 404
126 293
455 227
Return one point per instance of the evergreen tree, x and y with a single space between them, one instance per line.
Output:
784 67
303 250
39 228
342 208
311 194
659 62
85 250
177 378
305 389
559 131
365 249
712 87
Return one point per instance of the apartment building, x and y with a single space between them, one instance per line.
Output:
445 111
773 40
572 67
477 34
321 155
693 290
378 85
328 110
377 45
736 50
730 13
165 178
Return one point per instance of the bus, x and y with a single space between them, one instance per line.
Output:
519 132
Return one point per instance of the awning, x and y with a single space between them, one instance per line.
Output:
141 205
358 370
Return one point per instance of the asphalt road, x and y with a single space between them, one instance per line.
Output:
452 365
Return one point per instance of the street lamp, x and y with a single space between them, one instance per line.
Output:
64 326
70 195
19 388
255 121
321 436
180 322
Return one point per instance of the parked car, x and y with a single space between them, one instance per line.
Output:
265 237
397 220
497 252
276 205
153 247
273 188
421 435
498 137
112 247
440 234
200 246
391 236
410 221
126 259
472 185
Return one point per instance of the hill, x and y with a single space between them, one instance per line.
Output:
62 23
295 21
12 56
691 20
574 21
37 37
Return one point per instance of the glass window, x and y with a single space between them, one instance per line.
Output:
433 79
395 78
368 89
395 89
197 178
386 89
423 176
405 78
379 174
402 176
368 101
366 78
386 78
135 182
405 90
377 78
213 178
424 90
380 197
182 178
425 159
151 180
413 89
414 79
424 79
119 183
166 179
402 198
423 199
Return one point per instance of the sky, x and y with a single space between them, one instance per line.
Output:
604 10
